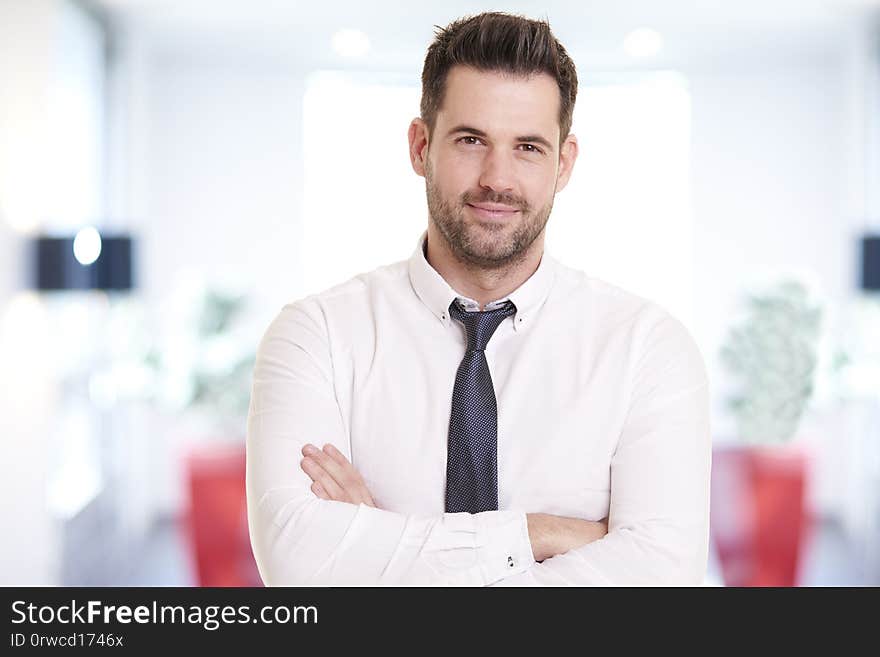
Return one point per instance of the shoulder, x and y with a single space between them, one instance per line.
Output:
605 295
654 335
350 299
607 305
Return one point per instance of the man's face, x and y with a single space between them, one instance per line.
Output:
493 164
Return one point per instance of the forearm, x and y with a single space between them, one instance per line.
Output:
551 535
312 541
648 555
336 479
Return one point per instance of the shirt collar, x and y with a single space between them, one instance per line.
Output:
437 295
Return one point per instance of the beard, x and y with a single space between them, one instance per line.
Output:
482 244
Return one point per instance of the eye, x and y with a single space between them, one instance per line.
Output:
531 148
470 140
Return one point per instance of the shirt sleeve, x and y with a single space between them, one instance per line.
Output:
658 522
300 539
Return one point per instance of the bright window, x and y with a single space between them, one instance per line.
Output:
625 216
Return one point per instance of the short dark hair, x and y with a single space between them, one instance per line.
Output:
495 41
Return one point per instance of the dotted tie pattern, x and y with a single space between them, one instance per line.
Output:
472 451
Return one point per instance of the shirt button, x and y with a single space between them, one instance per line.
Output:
510 561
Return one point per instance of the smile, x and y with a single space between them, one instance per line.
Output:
492 212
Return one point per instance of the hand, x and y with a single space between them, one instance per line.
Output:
333 477
551 535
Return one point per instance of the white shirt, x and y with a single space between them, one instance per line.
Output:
603 411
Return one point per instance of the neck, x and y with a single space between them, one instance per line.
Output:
481 284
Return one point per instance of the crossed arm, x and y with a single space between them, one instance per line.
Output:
335 478
657 531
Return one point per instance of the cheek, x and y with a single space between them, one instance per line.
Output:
455 175
540 192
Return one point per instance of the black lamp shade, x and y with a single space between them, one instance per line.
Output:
871 263
56 267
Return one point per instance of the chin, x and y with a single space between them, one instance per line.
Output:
490 253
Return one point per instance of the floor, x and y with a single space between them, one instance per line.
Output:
165 558
829 560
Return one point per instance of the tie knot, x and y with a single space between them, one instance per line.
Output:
480 325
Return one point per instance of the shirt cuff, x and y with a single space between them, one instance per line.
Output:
503 544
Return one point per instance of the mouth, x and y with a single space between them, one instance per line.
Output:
493 211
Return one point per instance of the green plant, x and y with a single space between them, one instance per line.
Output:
226 388
773 355
210 368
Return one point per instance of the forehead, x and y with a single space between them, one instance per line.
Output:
493 101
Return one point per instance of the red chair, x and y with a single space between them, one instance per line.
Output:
217 524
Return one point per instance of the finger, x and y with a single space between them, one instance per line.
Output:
354 483
321 476
341 473
351 485
336 455
318 490
352 493
353 478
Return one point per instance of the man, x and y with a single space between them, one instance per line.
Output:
480 413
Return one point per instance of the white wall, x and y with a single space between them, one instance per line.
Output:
225 175
222 205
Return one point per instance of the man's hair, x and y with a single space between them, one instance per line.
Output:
503 43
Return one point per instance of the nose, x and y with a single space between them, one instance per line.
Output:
497 173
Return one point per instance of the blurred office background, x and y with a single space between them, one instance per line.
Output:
172 172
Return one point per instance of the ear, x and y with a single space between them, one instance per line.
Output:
567 156
418 145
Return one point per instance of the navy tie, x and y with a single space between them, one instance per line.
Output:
472 451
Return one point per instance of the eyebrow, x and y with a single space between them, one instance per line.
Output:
536 139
